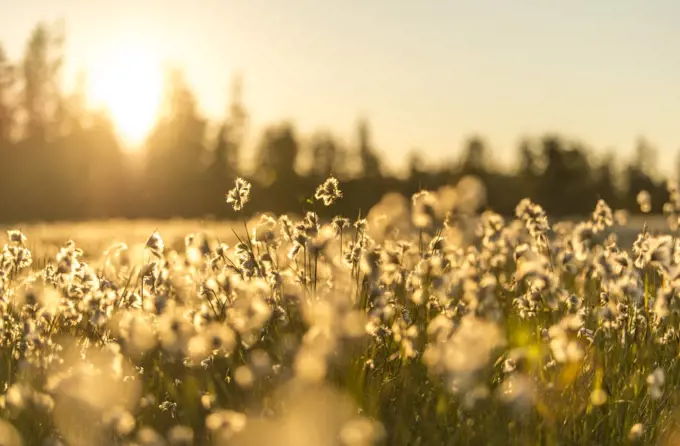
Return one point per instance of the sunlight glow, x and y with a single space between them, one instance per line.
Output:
129 85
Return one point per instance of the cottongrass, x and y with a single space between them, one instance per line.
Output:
429 321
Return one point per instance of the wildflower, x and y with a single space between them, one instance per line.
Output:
226 423
197 349
598 397
239 195
479 393
310 366
655 383
329 191
207 401
361 224
664 297
169 406
9 435
146 436
602 216
470 194
424 211
491 229
535 220
641 248
468 350
361 431
155 244
119 420
310 224
175 331
221 339
509 365
181 436
260 361
244 377
15 257
16 237
519 391
287 227
621 217
636 432
264 231
339 224
563 344
644 200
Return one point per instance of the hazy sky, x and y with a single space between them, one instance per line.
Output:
426 73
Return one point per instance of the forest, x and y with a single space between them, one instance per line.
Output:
63 161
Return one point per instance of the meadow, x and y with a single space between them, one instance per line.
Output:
426 321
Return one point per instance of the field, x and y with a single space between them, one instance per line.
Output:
424 323
95 237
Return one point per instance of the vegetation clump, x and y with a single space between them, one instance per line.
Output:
429 321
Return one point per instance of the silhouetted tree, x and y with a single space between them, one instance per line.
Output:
324 151
63 161
474 157
639 175
528 170
275 161
605 185
175 171
276 155
71 111
37 165
528 165
416 168
224 165
565 186
219 170
8 155
76 155
238 126
7 107
41 65
370 162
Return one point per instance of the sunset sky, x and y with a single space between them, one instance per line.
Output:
426 74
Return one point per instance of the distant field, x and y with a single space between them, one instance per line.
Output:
96 236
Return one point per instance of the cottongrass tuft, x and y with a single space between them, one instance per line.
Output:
421 324
644 200
329 191
239 195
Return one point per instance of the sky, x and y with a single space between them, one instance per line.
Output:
427 74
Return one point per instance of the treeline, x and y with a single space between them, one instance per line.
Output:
61 161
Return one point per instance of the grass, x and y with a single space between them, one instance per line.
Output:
422 326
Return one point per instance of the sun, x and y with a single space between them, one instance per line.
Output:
128 84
